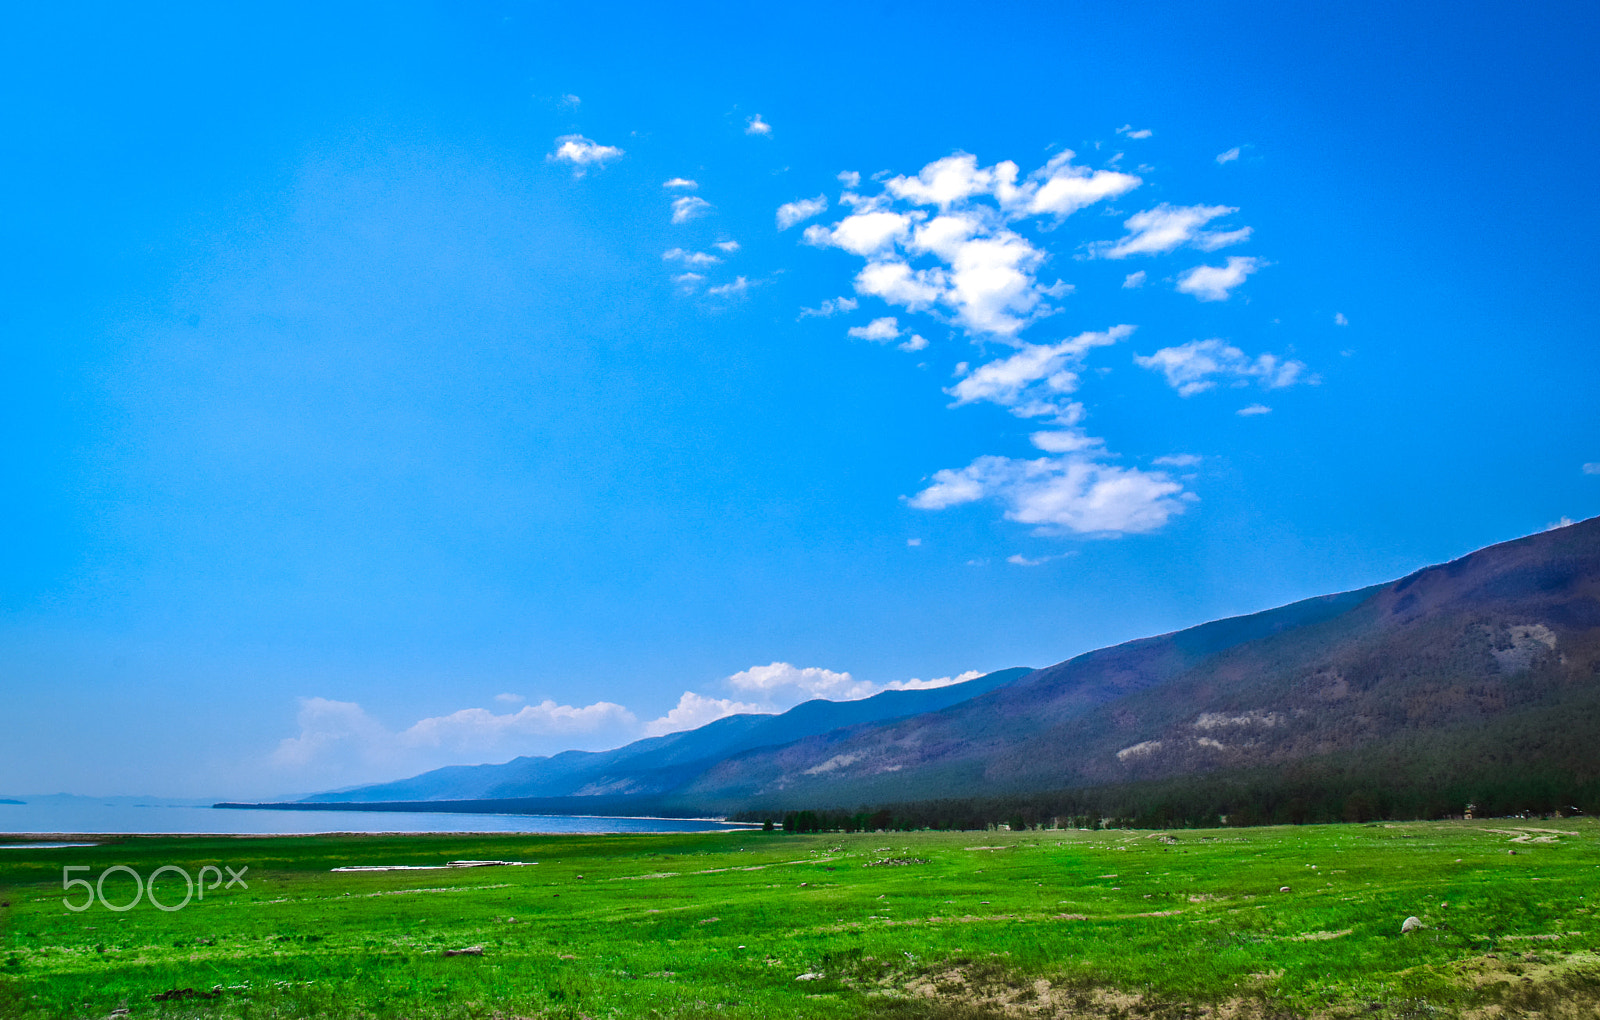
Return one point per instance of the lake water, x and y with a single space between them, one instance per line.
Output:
125 815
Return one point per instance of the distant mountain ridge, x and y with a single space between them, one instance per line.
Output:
658 765
1487 666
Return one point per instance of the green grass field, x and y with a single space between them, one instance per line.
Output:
746 924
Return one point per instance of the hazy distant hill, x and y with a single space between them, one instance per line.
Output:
658 765
1483 671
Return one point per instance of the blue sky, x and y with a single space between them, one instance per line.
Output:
397 385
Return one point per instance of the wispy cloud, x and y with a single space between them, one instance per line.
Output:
1019 560
1253 410
582 153
1216 283
1168 227
1128 131
1033 381
1592 468
756 126
1133 281
1061 495
830 307
691 258
689 207
1340 320
1229 156
680 184
727 247
801 210
1200 365
737 289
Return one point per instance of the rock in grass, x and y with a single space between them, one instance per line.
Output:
809 975
1410 925
469 951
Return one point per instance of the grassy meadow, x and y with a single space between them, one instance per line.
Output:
1280 922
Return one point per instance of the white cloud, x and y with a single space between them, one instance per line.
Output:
1065 441
1070 494
896 283
1064 189
737 289
1031 381
1253 410
1133 281
913 542
694 710
1564 522
878 330
915 342
849 178
1177 460
927 685
689 207
1059 188
571 100
830 307
801 210
510 699
1200 364
726 246
688 281
1592 468
1229 156
680 184
756 126
582 153
1128 130
691 258
1340 320
1213 283
1168 227
863 233
782 683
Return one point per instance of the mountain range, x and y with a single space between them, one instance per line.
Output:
1483 670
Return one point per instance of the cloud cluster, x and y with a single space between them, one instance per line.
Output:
943 241
964 244
1200 365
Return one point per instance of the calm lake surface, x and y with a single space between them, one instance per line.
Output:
82 814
